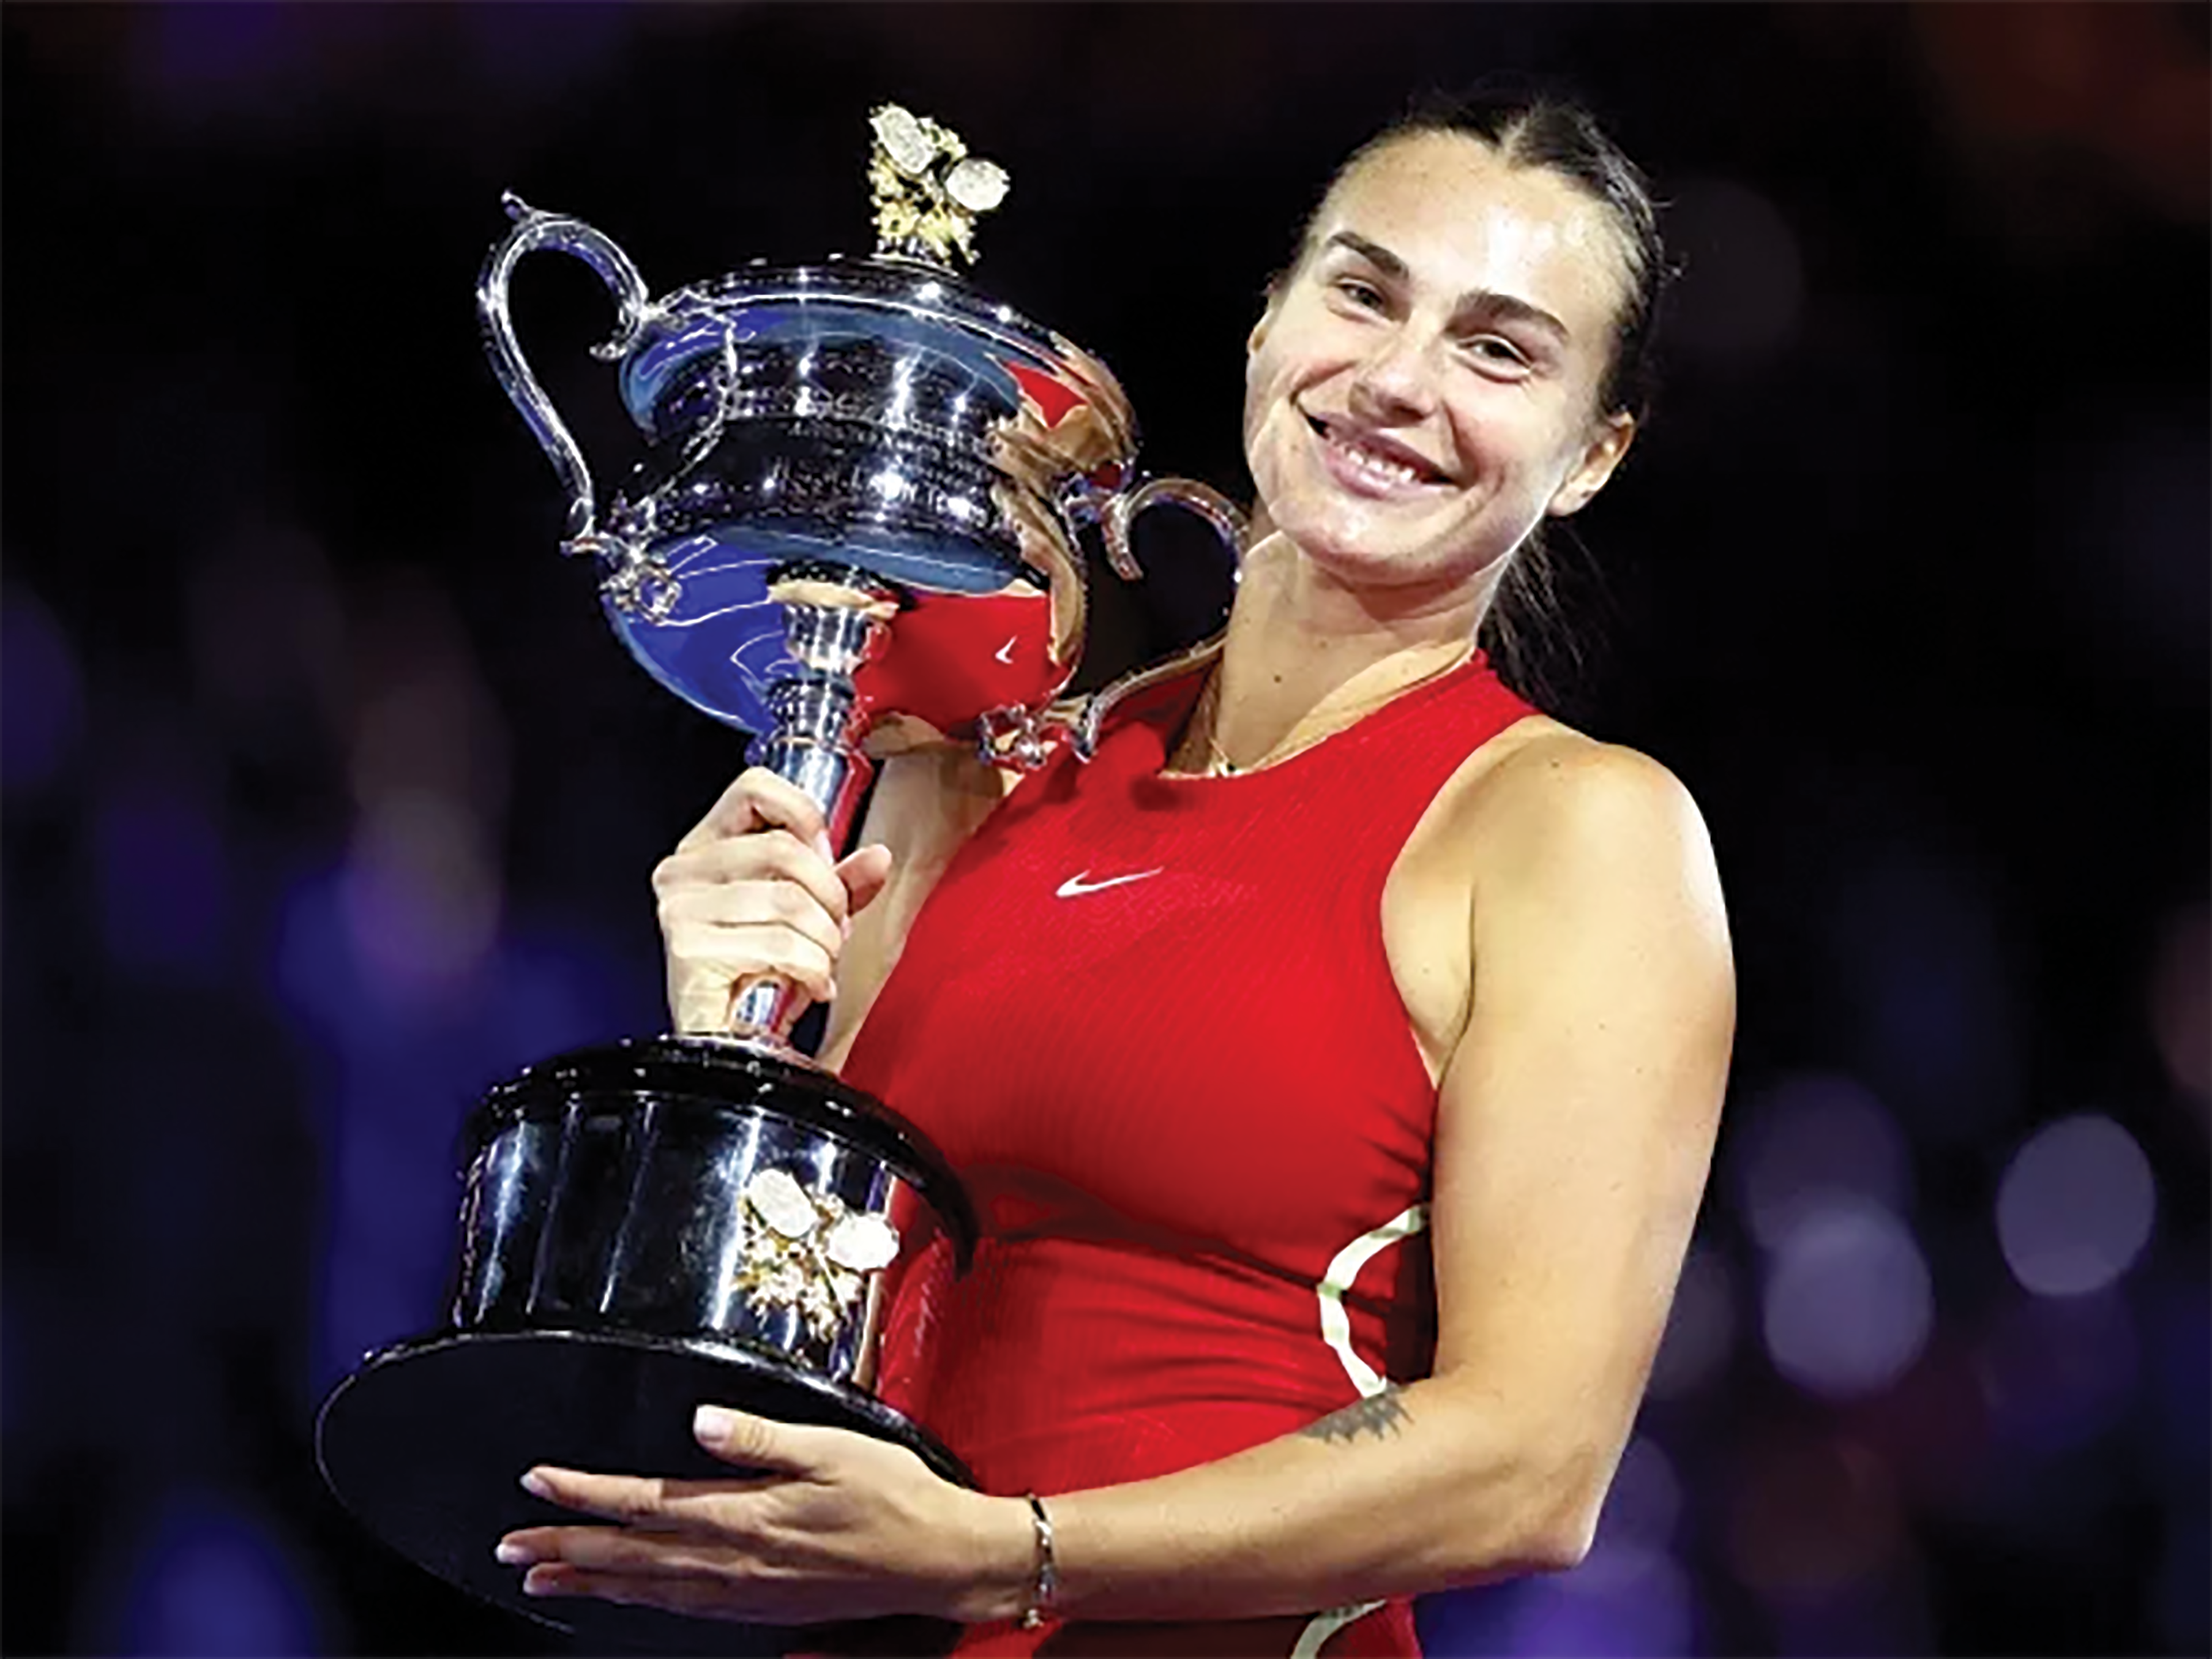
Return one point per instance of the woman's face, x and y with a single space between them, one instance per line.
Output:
1423 388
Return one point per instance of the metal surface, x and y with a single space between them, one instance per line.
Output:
833 618
856 521
645 1226
426 1442
881 413
620 1189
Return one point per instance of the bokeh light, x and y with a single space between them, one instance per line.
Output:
205 1576
1848 1301
2056 1373
1644 1504
1918 938
1700 1334
2075 1207
164 874
1624 1601
1813 1141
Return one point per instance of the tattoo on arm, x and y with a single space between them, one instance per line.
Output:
1379 1416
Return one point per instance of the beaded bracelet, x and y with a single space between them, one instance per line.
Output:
1048 1567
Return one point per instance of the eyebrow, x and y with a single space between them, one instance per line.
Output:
1480 300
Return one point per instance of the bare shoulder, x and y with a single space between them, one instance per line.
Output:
1551 797
1569 833
1552 851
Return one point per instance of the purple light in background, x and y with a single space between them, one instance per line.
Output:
1814 1141
2058 1372
163 879
1700 1327
1848 1303
1625 1601
543 49
41 693
420 896
1645 1500
210 1578
2075 1207
190 57
1919 942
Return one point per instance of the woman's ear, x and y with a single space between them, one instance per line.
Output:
1608 445
1258 336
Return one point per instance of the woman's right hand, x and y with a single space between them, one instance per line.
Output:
753 891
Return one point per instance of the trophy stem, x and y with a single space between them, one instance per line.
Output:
835 619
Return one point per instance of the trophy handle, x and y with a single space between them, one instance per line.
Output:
1115 511
534 230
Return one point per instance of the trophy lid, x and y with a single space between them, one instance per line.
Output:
928 191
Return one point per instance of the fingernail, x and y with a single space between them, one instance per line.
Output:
535 1582
822 846
711 1425
514 1555
538 1485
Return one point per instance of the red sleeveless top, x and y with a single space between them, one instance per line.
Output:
1150 1020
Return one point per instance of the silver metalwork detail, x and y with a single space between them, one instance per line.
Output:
534 230
1085 717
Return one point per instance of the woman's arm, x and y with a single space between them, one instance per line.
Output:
1577 1117
1575 1125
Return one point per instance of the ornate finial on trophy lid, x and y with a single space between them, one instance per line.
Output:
928 191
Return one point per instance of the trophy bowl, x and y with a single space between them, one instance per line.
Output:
855 532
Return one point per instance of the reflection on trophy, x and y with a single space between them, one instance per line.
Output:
854 533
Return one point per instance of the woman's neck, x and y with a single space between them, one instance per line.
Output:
1305 655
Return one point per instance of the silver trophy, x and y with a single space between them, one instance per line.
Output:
854 533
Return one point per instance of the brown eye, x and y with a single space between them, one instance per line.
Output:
1362 294
1495 351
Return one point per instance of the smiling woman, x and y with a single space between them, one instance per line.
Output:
1334 1060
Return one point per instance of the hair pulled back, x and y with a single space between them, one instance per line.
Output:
1524 631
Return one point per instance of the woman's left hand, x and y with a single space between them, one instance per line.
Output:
825 1524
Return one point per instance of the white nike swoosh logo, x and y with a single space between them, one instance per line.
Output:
1006 652
1077 886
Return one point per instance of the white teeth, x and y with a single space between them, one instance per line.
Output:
1368 461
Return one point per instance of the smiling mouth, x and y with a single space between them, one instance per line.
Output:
1367 463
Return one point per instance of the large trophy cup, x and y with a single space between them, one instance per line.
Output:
857 520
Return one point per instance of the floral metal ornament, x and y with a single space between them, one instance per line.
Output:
806 1250
928 191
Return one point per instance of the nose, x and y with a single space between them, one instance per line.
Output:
1396 379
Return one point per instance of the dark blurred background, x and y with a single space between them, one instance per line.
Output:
329 799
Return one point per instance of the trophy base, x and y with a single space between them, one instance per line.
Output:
427 1442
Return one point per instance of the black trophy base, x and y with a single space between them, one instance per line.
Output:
426 1444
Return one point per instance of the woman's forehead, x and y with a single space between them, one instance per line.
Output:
1455 201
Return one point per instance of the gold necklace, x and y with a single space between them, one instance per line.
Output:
1219 765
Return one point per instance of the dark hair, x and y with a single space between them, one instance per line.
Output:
1546 131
